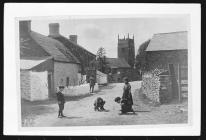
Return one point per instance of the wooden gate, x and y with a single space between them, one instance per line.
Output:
183 81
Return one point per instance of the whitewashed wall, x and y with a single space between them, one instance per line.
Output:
101 78
34 85
25 84
39 86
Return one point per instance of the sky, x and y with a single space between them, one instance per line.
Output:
103 32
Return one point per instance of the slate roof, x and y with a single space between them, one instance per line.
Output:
168 41
54 48
117 63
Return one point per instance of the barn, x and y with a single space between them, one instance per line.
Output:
169 52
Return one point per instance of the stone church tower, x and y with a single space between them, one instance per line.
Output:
126 50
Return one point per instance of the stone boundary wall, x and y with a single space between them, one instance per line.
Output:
151 85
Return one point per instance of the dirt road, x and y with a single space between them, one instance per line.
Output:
81 112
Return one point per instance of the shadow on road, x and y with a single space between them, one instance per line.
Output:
128 114
107 87
104 110
53 100
70 117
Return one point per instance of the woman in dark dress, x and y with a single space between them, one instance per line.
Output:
127 101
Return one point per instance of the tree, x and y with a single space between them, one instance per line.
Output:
101 59
141 54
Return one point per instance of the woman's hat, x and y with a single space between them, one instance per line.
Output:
117 99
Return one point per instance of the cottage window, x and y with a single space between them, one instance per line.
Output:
114 71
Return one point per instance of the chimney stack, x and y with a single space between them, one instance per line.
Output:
54 29
24 27
73 38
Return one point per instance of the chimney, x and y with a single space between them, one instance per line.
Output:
24 27
73 38
54 29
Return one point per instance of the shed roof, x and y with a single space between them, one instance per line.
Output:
168 41
27 64
117 63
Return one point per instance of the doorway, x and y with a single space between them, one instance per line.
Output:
49 84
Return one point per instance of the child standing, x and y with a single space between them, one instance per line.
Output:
61 101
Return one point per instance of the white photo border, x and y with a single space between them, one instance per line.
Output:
15 11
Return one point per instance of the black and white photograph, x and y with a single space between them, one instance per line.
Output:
110 71
104 70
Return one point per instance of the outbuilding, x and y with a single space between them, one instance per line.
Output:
169 52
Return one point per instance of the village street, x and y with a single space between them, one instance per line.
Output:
80 112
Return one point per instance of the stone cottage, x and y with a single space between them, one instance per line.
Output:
40 55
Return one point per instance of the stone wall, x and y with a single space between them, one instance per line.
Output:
161 59
25 84
150 87
64 71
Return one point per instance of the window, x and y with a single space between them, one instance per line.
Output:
114 71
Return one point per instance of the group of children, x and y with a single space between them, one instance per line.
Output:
126 101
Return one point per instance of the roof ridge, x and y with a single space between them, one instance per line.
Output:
170 32
76 44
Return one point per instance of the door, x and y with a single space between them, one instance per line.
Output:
174 81
50 84
67 82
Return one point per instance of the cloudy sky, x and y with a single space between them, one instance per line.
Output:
103 32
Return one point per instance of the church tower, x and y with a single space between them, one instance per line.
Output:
126 50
